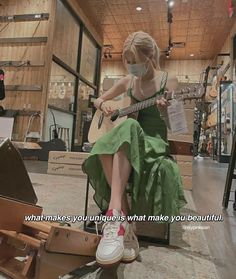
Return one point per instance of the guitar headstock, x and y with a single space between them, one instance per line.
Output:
193 93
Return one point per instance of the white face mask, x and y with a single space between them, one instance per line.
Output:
138 70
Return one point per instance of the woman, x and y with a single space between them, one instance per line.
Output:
135 153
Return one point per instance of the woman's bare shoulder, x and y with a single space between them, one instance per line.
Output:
125 81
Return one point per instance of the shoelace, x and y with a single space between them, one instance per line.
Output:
110 229
96 225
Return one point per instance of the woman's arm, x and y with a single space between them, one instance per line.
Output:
172 84
120 87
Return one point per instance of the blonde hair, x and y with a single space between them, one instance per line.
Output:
141 42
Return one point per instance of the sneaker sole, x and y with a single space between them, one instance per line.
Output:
129 260
109 263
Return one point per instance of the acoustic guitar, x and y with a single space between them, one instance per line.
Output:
102 124
216 82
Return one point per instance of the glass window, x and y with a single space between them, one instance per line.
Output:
66 36
84 114
61 88
88 59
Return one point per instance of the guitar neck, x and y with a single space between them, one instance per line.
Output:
138 106
152 101
225 70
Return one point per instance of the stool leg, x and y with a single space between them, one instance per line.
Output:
86 203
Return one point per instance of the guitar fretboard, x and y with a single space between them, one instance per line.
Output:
189 94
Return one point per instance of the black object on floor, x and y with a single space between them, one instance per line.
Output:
47 146
230 176
14 180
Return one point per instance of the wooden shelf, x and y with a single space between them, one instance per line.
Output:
23 40
25 17
23 87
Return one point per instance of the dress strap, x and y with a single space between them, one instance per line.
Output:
130 86
164 81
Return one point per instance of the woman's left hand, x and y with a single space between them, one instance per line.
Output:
162 104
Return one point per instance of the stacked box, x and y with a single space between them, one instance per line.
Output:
66 163
185 162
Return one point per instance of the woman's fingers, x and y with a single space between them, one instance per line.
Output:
162 102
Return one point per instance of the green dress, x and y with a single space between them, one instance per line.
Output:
155 183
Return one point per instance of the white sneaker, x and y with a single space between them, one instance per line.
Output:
111 246
131 246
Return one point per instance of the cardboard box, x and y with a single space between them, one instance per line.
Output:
187 182
63 157
188 138
183 158
185 168
65 169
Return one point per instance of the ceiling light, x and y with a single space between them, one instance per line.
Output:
171 3
191 54
139 9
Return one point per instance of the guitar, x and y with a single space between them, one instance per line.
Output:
102 124
216 82
62 92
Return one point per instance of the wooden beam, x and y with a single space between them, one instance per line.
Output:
40 226
28 240
48 52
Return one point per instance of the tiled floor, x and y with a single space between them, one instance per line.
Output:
195 254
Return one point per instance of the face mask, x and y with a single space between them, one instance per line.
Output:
137 70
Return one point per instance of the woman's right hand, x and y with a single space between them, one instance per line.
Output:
106 108
103 106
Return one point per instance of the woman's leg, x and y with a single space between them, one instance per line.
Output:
120 175
107 161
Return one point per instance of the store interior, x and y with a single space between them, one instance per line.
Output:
56 58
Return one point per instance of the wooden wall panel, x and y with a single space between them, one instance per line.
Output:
180 68
112 68
34 52
23 52
11 7
66 36
183 68
24 29
87 18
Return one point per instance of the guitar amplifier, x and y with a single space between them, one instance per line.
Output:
14 180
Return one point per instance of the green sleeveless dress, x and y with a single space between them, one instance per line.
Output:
155 183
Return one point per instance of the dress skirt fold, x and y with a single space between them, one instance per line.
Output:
155 183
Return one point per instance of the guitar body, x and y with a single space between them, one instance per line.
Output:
96 131
213 91
216 82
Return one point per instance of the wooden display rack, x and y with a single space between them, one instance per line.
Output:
40 250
